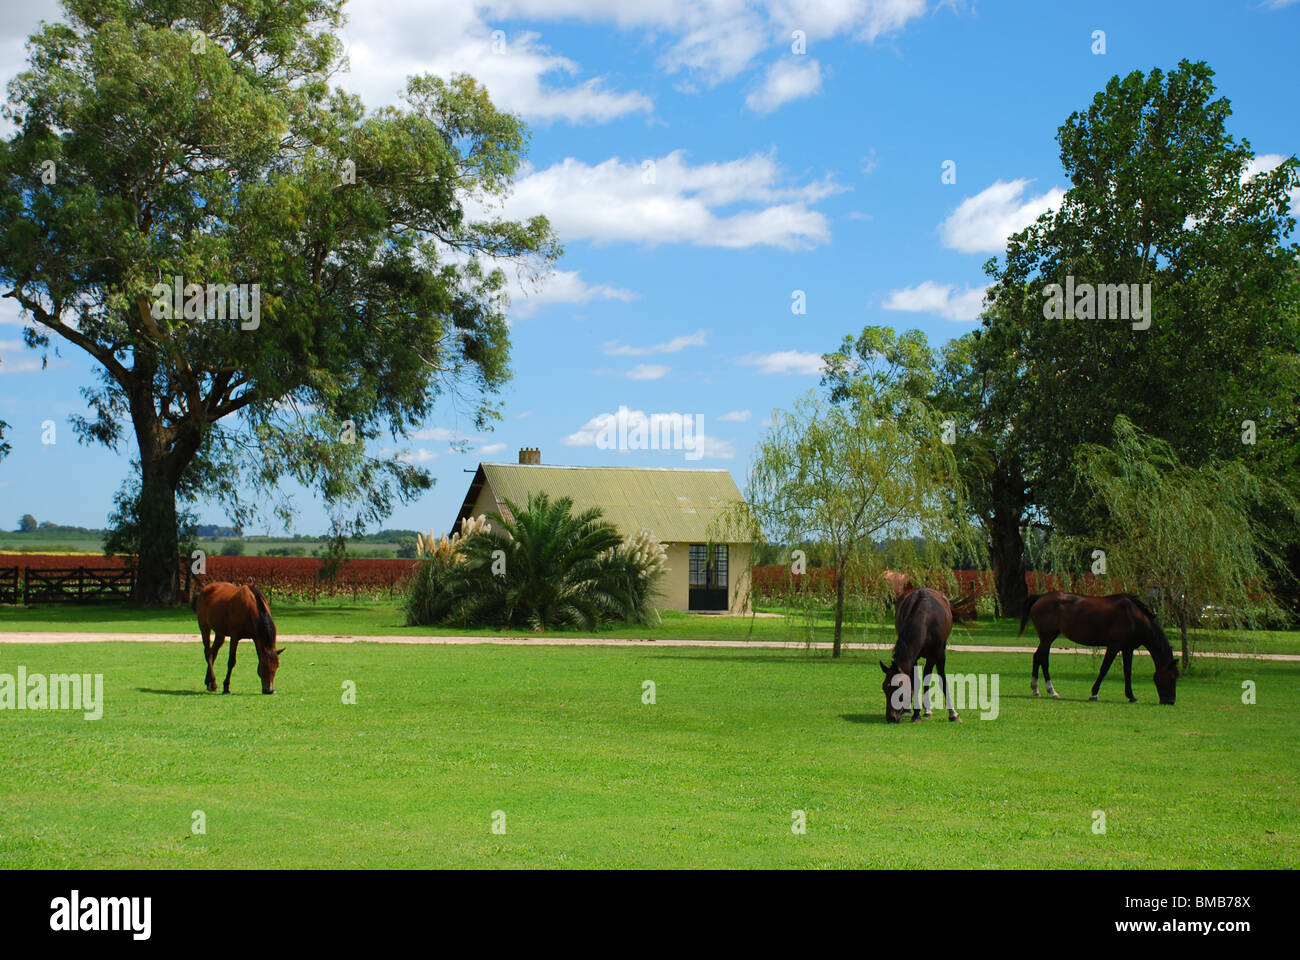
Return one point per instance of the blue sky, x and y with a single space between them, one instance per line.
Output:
773 172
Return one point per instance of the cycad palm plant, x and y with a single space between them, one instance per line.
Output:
547 567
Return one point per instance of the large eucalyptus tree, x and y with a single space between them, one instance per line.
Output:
169 150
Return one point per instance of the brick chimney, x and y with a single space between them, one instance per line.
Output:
530 455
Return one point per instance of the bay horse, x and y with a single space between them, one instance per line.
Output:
1119 622
922 623
236 612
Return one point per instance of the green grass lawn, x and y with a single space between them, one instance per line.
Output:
385 618
588 776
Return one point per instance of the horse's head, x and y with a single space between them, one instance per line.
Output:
898 692
1166 679
267 664
268 655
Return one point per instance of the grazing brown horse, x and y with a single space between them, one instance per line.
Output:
237 612
1119 622
922 622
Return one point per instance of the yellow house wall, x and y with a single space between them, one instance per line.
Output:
674 585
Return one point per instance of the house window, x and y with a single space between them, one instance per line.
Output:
706 574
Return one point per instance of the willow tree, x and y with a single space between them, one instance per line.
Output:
268 276
1190 533
845 474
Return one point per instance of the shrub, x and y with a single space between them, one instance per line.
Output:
233 548
546 567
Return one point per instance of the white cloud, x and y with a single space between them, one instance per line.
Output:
11 313
785 362
490 448
736 416
709 447
442 434
698 339
418 455
559 286
648 371
982 223
613 202
16 358
388 40
786 80
942 299
710 40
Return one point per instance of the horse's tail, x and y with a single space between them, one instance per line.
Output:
265 625
1024 614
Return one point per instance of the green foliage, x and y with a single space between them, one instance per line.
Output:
544 568
233 548
27 524
868 464
407 547
123 535
1158 196
285 552
1192 533
228 159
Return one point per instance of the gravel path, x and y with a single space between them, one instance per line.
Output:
565 642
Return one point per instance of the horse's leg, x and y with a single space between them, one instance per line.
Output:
927 701
947 691
209 679
1040 659
1105 666
217 641
1128 676
230 661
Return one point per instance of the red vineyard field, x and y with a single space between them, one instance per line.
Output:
286 576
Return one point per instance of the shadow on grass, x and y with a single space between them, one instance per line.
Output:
864 718
745 657
174 693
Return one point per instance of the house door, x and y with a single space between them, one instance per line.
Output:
708 577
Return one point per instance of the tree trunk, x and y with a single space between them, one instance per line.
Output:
157 579
1182 627
839 608
1007 554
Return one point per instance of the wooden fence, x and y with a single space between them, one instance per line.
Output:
8 584
76 584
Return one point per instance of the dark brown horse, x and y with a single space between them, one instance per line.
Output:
922 622
237 613
1119 622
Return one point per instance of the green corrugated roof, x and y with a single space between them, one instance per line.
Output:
676 505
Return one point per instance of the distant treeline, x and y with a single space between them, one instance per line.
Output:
212 531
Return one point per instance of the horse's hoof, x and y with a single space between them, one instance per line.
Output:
916 719
227 690
1132 699
954 719
929 713
1055 695
1093 698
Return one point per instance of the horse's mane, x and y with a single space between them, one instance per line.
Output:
1154 635
265 625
